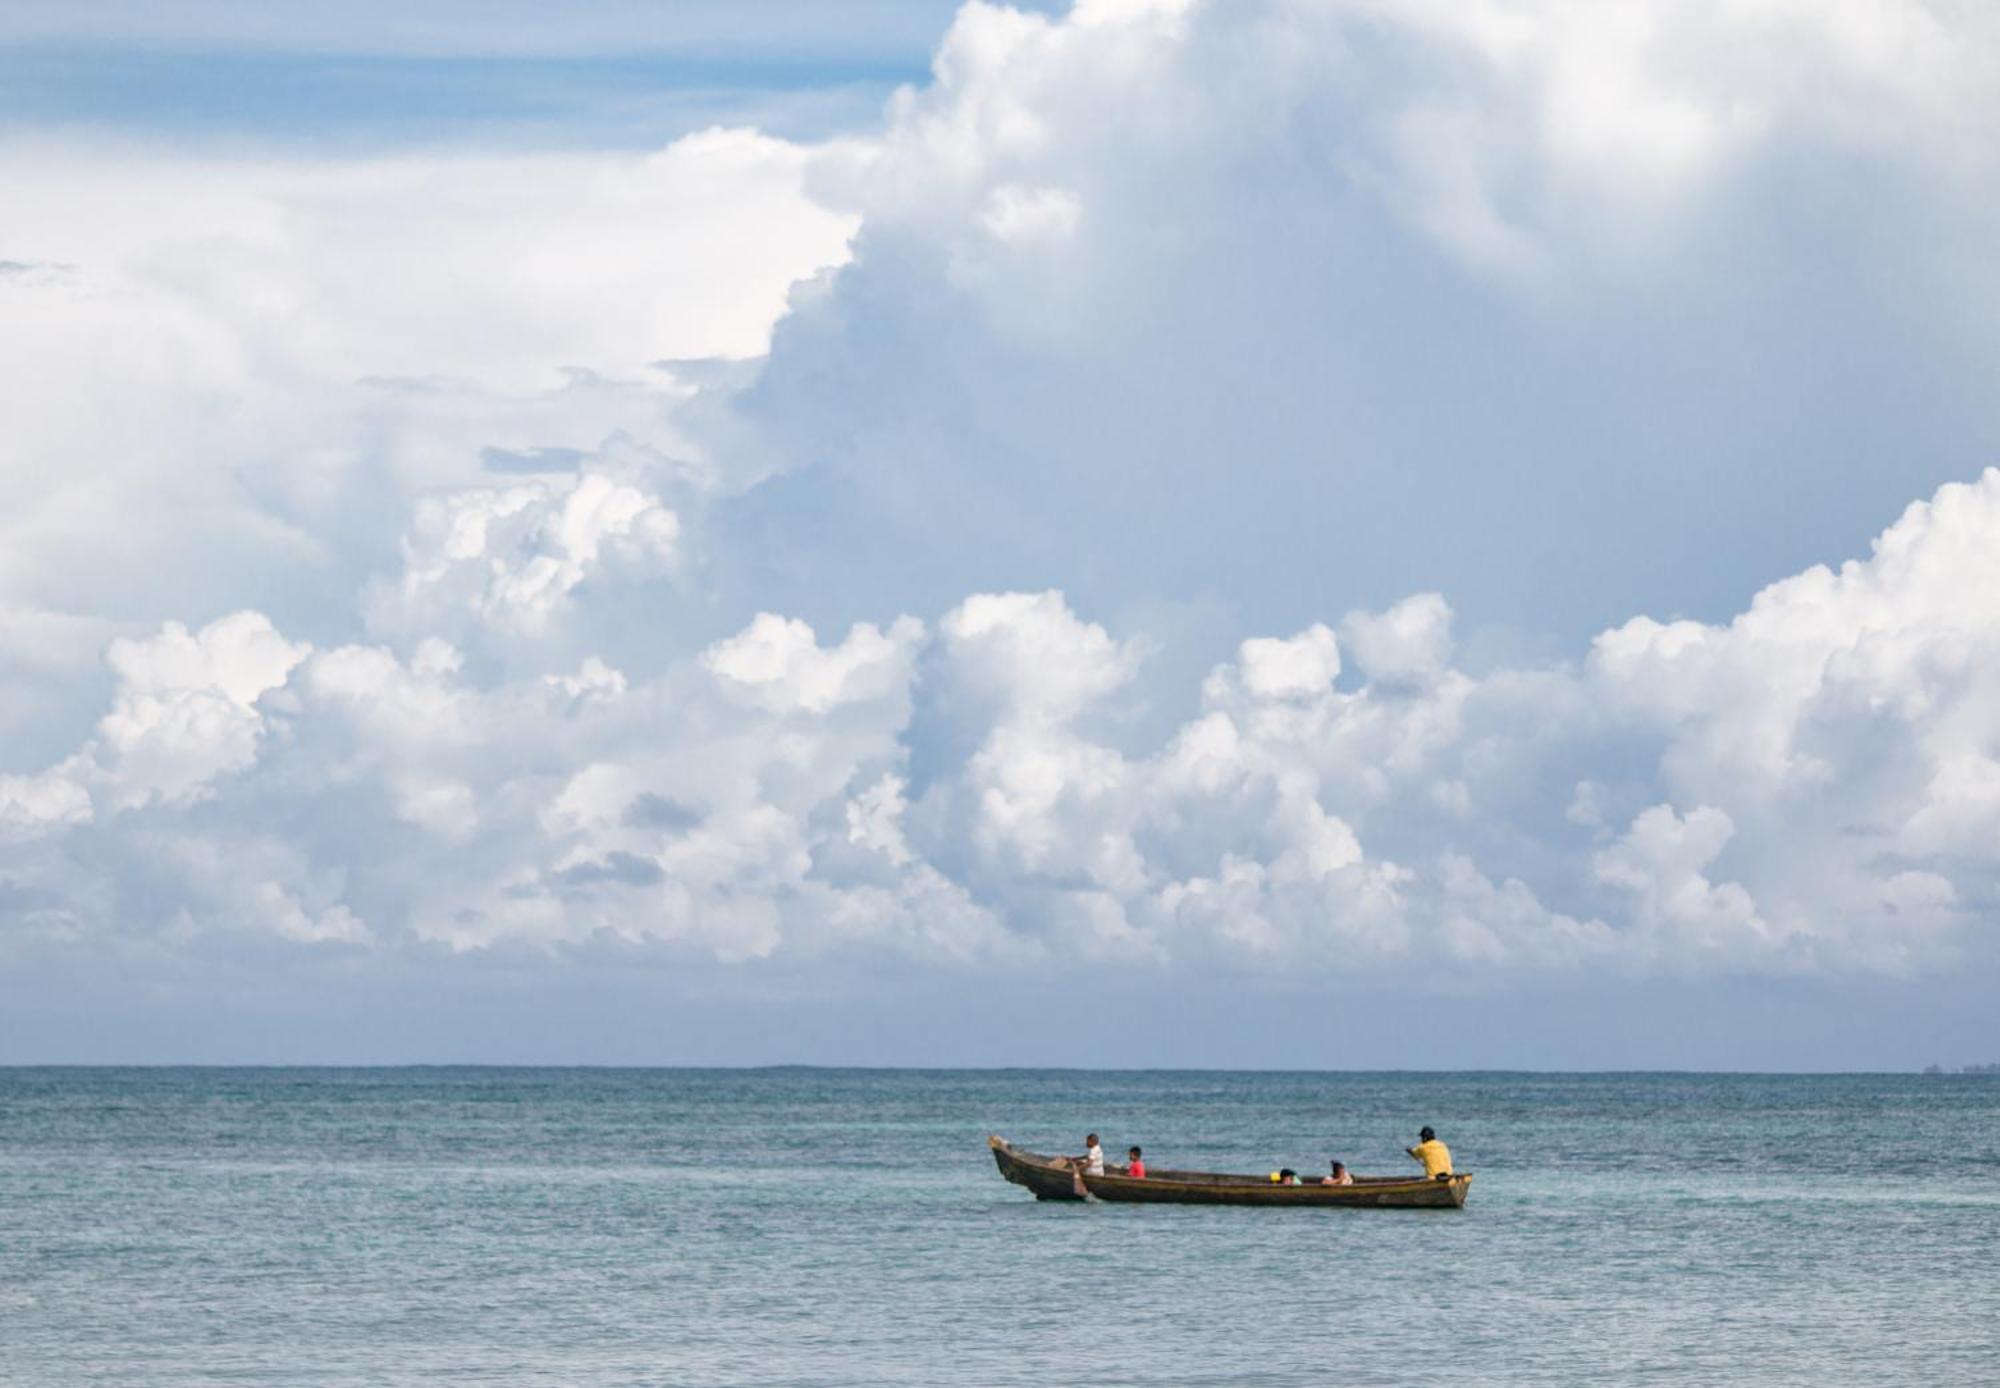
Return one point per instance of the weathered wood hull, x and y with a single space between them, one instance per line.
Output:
1050 1179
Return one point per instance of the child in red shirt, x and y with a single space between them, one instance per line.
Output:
1134 1166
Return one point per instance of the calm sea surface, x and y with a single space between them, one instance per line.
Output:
584 1227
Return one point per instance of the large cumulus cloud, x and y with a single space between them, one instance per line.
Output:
273 379
1273 305
452 584
1807 787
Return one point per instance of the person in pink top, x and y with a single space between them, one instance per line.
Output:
1340 1177
1134 1164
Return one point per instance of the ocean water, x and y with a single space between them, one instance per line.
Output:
794 1227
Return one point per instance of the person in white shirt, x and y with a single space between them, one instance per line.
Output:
1091 1163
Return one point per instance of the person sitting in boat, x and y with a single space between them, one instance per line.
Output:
1435 1156
1135 1165
1340 1176
1286 1177
1091 1163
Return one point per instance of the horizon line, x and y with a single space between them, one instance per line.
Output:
1942 1072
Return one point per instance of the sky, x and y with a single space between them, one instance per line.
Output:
1292 532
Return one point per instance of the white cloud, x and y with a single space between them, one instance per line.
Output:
1824 670
779 664
31 804
186 710
1817 799
1017 214
512 557
875 820
1661 861
1107 268
1259 299
252 884
1032 656
1504 130
1411 642
496 269
250 387
1299 668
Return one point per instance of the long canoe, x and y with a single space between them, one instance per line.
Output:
1051 1178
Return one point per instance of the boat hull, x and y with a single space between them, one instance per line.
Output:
1050 1179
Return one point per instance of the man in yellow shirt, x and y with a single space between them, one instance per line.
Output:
1435 1156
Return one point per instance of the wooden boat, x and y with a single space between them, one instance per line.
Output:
1051 1178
